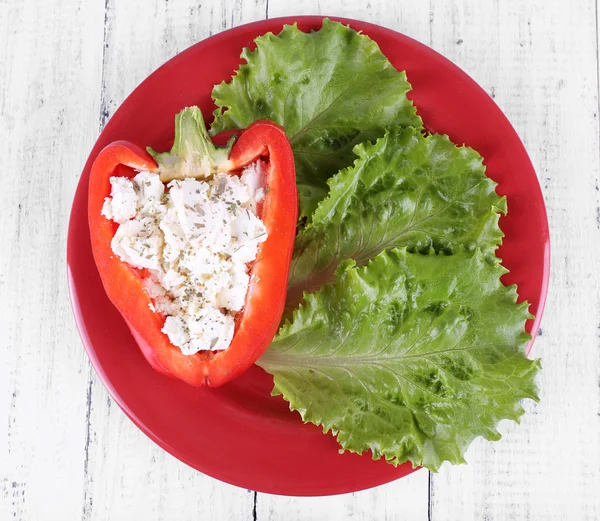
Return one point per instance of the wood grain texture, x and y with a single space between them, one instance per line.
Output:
407 499
68 452
49 101
547 468
126 476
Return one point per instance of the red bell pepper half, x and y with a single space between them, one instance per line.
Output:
194 153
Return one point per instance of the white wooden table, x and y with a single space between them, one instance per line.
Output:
67 452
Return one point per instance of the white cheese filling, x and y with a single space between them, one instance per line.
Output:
195 239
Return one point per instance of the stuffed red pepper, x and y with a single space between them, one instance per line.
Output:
193 245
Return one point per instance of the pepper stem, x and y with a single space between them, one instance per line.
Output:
193 154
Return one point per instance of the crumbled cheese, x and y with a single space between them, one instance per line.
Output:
231 296
251 177
195 240
138 243
122 205
149 190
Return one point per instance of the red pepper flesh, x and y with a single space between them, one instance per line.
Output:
259 320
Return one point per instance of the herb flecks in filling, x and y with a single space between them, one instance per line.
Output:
196 239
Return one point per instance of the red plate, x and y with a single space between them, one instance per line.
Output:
238 433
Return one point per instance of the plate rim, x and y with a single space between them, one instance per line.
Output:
279 22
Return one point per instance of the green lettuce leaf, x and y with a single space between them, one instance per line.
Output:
405 190
411 356
330 89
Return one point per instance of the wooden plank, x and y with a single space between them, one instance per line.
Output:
401 500
127 476
67 451
50 68
545 79
406 499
